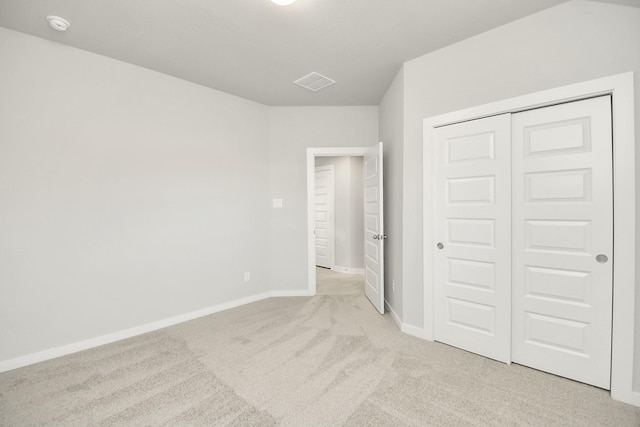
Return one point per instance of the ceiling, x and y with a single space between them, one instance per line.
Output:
256 49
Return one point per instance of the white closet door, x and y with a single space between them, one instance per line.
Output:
473 231
562 238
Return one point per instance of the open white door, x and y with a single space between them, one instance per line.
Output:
324 215
374 228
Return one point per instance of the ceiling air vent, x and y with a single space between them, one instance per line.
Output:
314 81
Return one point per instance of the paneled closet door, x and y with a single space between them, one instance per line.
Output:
563 240
473 234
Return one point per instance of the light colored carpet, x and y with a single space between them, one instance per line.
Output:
328 360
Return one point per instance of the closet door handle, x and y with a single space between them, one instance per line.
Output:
440 245
602 259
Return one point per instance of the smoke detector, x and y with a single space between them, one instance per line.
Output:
314 81
57 23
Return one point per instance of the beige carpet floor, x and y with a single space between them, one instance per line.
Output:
329 360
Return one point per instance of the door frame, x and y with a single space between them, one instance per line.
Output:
332 219
621 88
312 153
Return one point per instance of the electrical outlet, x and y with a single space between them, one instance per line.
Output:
247 276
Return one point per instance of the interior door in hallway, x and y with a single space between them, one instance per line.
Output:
325 218
473 235
562 240
374 227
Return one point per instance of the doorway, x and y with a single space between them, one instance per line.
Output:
339 228
372 220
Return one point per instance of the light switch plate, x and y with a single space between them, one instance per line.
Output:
277 203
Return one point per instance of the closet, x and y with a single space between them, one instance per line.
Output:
524 230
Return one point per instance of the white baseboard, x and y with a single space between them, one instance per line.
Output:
632 397
300 293
347 270
52 353
393 314
406 328
414 331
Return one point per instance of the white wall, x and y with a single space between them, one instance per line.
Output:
127 196
392 134
573 42
349 211
293 130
